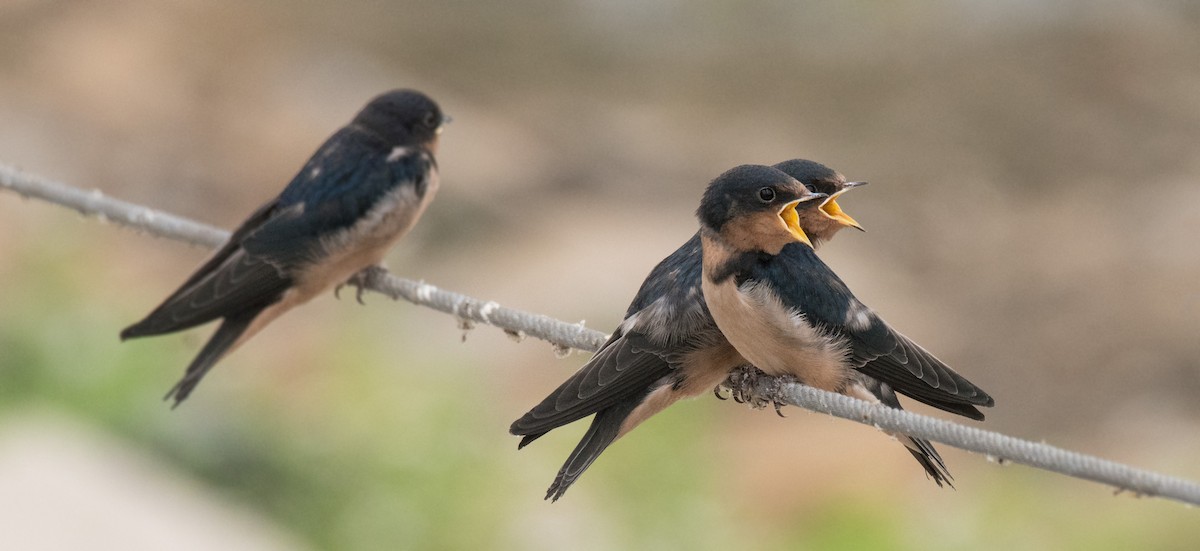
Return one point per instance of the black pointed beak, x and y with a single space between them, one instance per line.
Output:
810 197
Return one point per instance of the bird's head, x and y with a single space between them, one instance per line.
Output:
829 218
403 118
753 207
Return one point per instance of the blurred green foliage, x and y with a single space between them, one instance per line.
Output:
361 449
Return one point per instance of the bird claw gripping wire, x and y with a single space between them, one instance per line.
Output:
361 281
744 385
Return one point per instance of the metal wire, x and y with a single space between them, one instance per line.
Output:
565 335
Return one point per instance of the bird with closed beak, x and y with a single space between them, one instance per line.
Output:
362 191
667 348
788 314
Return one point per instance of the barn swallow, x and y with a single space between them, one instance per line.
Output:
667 348
356 197
788 314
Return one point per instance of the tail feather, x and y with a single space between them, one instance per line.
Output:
929 458
605 428
218 345
922 450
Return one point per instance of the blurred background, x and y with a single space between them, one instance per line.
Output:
1033 220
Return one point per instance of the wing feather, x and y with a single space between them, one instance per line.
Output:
805 283
205 296
666 318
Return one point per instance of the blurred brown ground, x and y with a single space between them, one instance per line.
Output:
1033 214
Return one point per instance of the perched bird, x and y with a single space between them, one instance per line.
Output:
667 348
355 198
788 314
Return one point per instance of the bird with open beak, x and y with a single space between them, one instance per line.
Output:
788 314
667 348
354 199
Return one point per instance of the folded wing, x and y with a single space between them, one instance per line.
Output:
876 349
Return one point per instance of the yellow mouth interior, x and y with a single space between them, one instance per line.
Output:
833 210
792 220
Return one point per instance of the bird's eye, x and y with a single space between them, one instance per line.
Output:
811 187
766 194
431 119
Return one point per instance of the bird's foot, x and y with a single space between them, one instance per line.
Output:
774 394
741 382
366 278
744 384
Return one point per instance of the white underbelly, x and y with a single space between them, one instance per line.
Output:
773 338
368 241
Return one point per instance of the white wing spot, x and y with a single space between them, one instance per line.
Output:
629 323
316 171
397 152
858 317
